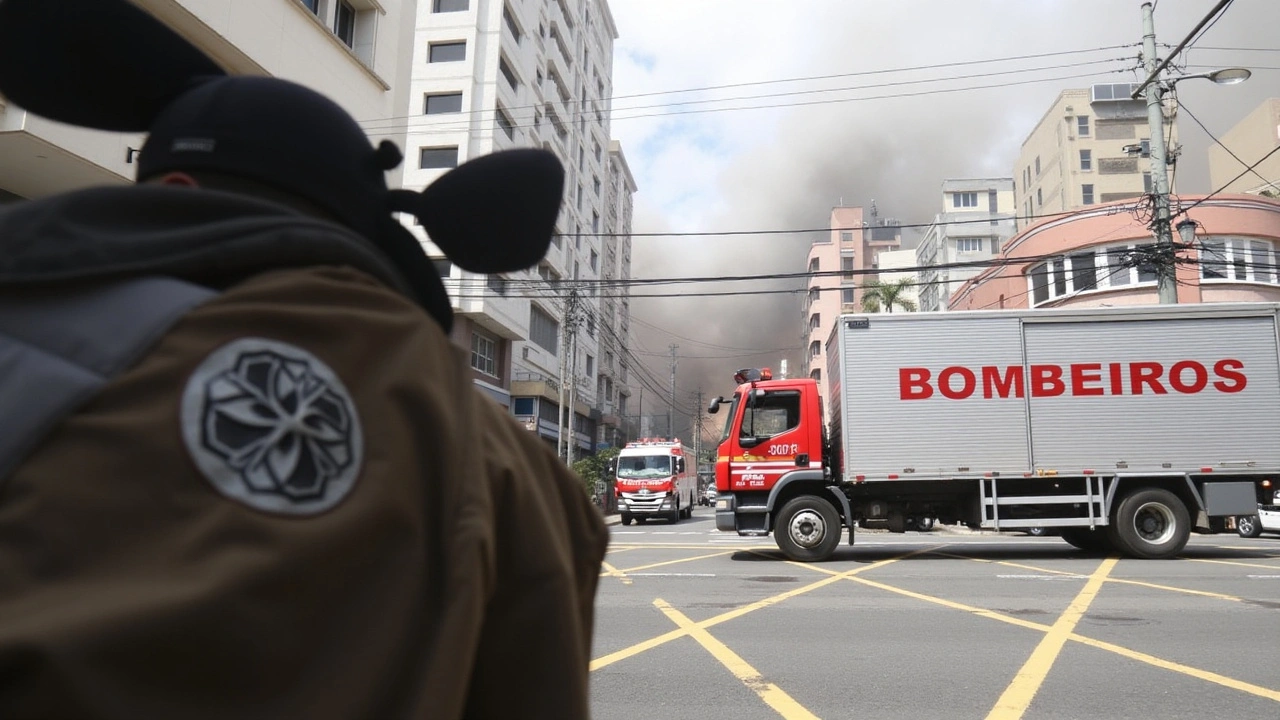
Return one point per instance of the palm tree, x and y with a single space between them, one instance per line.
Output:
877 295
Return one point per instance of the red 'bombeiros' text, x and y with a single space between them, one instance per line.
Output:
1080 380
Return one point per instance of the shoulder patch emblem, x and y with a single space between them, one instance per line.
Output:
271 426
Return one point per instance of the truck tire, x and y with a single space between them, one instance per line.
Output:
807 529
1248 526
1086 539
1150 523
626 519
676 513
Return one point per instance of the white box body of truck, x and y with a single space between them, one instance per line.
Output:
1165 390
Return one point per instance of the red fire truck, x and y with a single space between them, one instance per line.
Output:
1119 428
652 480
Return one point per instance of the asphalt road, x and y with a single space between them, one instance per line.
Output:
693 623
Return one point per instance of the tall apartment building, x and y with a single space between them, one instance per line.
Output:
354 51
1257 134
977 218
839 264
492 75
1090 147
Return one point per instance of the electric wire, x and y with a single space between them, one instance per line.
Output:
1183 107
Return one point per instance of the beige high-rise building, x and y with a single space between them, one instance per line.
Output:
1091 146
1251 139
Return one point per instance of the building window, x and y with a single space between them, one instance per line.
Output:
544 331
815 321
511 23
508 74
815 349
1146 183
312 5
591 366
447 52
523 406
438 157
1086 194
814 293
1086 160
846 236
497 285
1039 198
1112 268
993 200
964 199
813 265
595 259
846 266
1037 166
483 351
846 296
344 23
1084 271
1238 259
504 123
443 6
1082 125
595 184
443 267
968 244
442 103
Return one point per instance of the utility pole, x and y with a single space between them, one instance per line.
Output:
671 410
1166 265
697 431
568 363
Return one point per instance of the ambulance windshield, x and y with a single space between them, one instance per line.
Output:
644 466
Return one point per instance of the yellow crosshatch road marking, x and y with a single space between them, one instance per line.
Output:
1122 581
773 696
611 571
650 566
1015 700
1152 660
673 546
836 576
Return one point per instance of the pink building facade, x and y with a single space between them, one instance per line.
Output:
1101 257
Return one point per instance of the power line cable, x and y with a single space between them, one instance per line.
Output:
1183 107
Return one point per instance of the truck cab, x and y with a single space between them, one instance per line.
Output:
773 469
652 480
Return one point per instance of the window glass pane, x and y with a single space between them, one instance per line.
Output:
1040 283
1213 260
1117 272
1238 258
1264 269
447 52
1059 278
1086 159
449 5
440 157
444 103
1146 269
1084 273
344 24
522 406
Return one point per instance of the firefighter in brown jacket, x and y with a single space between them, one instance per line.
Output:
244 472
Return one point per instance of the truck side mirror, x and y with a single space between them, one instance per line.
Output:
714 407
679 465
613 467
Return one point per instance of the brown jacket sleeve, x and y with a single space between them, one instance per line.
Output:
131 586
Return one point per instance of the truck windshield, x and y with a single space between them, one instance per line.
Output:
728 420
644 466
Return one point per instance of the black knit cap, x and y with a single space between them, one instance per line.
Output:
64 59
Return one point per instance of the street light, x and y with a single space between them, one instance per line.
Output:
1225 76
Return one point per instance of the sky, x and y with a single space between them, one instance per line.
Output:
750 115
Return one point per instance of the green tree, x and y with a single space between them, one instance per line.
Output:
877 295
594 468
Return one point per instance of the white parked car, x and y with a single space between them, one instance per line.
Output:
1267 520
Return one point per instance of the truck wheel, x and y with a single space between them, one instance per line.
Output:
1086 539
807 529
676 513
1248 526
626 519
1151 523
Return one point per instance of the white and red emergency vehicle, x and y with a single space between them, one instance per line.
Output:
1120 428
652 479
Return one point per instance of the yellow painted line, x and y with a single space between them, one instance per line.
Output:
1205 675
611 571
633 650
615 550
1152 660
1237 564
1121 581
1016 698
675 562
772 695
